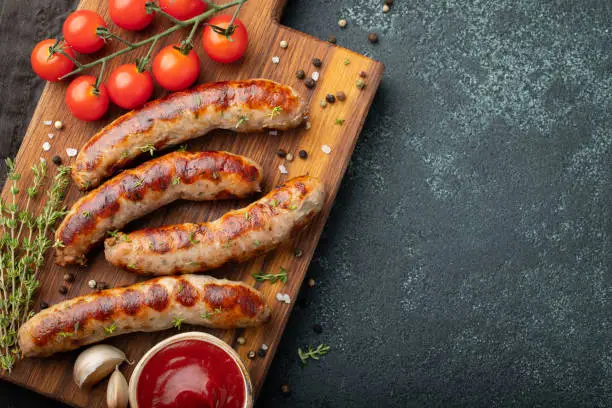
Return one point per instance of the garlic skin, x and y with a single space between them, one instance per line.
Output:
117 391
95 363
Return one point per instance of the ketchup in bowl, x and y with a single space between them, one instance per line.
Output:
189 372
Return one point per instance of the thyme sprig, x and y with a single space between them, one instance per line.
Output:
272 277
23 244
311 353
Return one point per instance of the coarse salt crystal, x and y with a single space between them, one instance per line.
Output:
280 297
71 152
51 135
48 122
315 76
326 149
46 146
282 169
273 132
286 298
308 125
275 59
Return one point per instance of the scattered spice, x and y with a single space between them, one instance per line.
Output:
285 389
315 76
251 354
275 59
272 277
303 154
317 328
57 160
101 285
317 62
50 135
389 2
92 284
339 122
347 61
282 169
332 39
71 152
241 340
289 157
330 98
308 125
63 290
68 277
263 350
311 353
385 8
46 146
300 74
360 84
323 103
281 153
58 125
341 96
326 149
363 74
298 252
342 23
373 38
44 305
48 122
309 82
311 282
284 44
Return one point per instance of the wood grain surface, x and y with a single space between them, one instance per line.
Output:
339 72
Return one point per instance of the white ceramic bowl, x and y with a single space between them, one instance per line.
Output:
248 387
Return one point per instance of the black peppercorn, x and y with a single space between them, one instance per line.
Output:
56 160
341 96
68 277
101 285
317 328
44 305
251 354
285 389
330 98
262 352
317 62
373 38
300 74
332 39
298 252
63 290
310 83
281 153
389 2
303 154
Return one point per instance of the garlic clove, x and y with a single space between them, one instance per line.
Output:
117 391
95 363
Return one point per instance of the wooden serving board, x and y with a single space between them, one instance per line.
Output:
53 376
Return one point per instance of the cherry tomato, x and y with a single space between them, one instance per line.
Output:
129 88
51 67
221 48
183 9
80 31
175 71
84 101
130 14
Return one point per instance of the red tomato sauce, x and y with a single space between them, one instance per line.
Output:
191 374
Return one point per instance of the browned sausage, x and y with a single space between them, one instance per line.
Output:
237 236
134 193
150 306
241 106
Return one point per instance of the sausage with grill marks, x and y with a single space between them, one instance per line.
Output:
241 106
133 193
154 305
237 236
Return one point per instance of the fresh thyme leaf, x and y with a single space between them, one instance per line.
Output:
182 148
215 175
148 148
192 239
110 329
274 202
257 243
177 322
241 120
58 244
125 154
247 216
176 180
207 315
275 111
86 214
339 121
113 233
311 353
272 277
139 183
293 207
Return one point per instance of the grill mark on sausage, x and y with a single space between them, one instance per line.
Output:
186 293
157 297
229 297
131 301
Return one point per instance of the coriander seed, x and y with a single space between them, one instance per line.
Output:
317 62
385 8
251 355
332 39
360 84
303 154
284 44
285 389
241 340
311 282
323 103
68 277
300 74
92 284
58 125
342 23
330 98
289 157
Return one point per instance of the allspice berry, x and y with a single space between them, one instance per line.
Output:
373 38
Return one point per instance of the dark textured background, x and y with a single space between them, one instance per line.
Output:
467 260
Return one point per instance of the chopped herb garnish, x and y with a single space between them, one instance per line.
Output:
293 207
215 175
311 353
182 148
148 148
125 154
347 61
192 239
198 100
227 245
275 111
339 121
272 277
113 233
257 243
180 289
138 183
177 322
126 238
86 214
110 329
274 202
176 180
241 120
247 216
207 315
58 244
131 266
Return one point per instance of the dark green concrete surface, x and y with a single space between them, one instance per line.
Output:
467 260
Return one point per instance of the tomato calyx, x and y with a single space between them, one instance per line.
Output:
226 32
58 48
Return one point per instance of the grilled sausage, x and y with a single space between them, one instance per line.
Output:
237 236
134 193
154 305
241 106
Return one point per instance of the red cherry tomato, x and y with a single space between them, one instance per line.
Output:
84 101
51 67
183 9
175 71
221 48
129 88
80 31
130 14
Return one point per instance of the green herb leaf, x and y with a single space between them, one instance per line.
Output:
311 353
148 148
176 180
110 329
272 277
177 322
339 121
